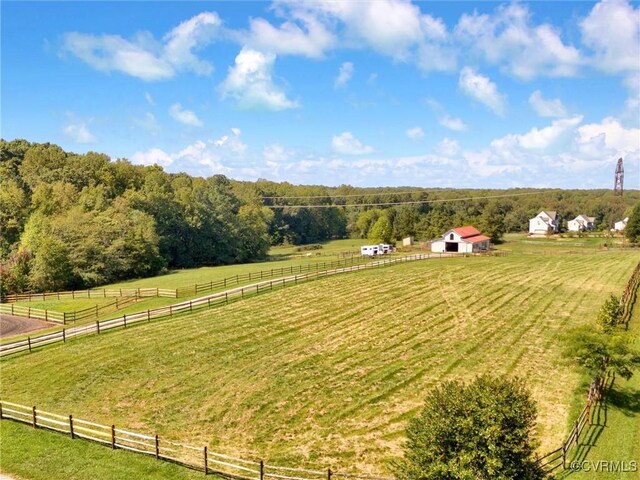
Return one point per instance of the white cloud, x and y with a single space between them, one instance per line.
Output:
508 38
609 136
301 35
79 133
448 147
539 139
250 84
452 123
181 115
143 56
395 28
232 142
188 36
482 89
415 133
153 156
225 155
552 107
344 75
347 144
612 31
108 53
149 98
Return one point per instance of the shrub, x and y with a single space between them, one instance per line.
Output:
482 430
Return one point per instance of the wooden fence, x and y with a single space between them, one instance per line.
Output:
197 458
216 299
186 290
93 293
65 317
558 458
629 295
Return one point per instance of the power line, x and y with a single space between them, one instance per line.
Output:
382 204
355 194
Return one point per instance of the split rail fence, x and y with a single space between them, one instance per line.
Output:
197 458
65 317
558 458
210 301
629 296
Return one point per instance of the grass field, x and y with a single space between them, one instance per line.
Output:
328 373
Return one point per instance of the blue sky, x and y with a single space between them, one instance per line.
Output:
381 93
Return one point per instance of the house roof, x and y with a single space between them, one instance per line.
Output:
585 218
551 214
476 239
466 231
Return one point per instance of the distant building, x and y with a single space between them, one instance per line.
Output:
462 240
407 242
581 223
620 226
544 223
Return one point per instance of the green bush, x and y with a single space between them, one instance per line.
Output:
482 430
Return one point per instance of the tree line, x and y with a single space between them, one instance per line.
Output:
72 220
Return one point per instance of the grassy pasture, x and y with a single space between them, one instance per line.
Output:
280 257
327 373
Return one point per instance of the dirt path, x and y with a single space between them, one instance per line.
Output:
11 325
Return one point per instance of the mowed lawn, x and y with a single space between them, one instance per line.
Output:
328 373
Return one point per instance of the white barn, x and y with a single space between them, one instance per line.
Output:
619 226
543 223
581 223
461 240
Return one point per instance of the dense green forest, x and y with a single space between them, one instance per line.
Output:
80 220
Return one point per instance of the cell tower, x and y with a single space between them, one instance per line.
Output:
619 181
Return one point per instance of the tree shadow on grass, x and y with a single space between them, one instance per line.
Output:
624 399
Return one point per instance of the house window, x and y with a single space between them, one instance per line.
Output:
451 237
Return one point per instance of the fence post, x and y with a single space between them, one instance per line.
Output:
206 461
29 341
98 326
157 447
113 437
261 470
328 474
71 426
148 315
46 315
35 422
0 410
190 306
64 335
125 320
226 297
